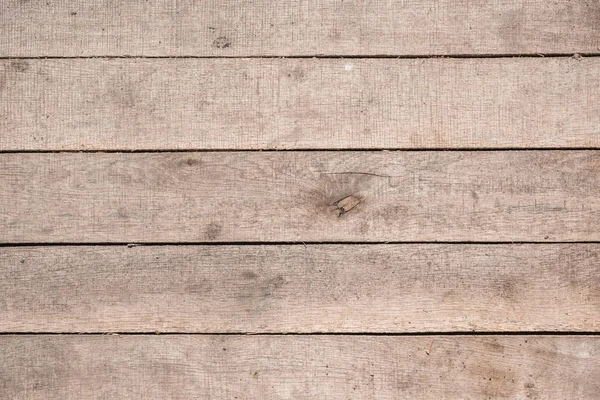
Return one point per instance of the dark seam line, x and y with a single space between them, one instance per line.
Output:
271 150
316 56
283 243
401 334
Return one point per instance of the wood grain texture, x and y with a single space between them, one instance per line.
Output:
299 367
285 28
133 104
295 196
313 288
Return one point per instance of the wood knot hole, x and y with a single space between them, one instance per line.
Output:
346 204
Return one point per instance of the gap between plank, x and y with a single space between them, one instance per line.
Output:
307 243
233 150
322 56
442 333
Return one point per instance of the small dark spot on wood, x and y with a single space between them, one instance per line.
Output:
19 66
122 213
249 275
273 284
346 204
211 28
213 231
529 385
495 346
73 12
509 289
255 374
221 42
277 282
297 74
124 97
22 261
335 34
191 161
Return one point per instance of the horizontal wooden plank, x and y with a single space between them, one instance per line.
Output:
300 196
313 288
285 28
299 367
133 104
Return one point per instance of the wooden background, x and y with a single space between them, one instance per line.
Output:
299 200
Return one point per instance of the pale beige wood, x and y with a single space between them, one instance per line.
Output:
313 288
294 196
129 104
285 27
299 367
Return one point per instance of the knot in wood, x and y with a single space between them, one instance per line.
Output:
346 204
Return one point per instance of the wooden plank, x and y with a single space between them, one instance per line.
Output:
300 196
285 28
313 288
299 367
133 104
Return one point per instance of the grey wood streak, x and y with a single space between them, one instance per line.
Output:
128 104
299 367
300 196
282 289
284 28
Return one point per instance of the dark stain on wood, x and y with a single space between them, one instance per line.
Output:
494 346
509 289
249 275
19 66
213 231
297 74
189 162
203 287
221 42
271 285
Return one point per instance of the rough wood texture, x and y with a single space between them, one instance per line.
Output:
324 288
283 28
128 104
299 367
295 196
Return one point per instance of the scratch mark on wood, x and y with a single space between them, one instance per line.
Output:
357 173
428 351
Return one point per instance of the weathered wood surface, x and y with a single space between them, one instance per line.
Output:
300 196
282 289
299 367
284 28
128 104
